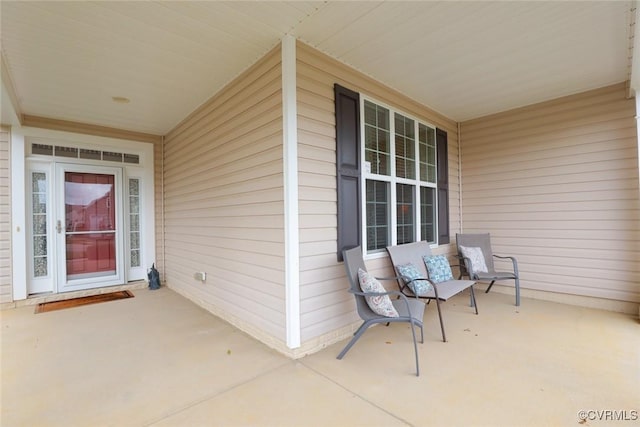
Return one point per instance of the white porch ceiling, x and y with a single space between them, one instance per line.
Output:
66 60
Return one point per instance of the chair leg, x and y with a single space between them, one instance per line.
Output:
444 337
415 348
355 338
473 299
517 292
489 288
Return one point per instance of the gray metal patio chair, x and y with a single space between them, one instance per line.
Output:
413 253
409 310
483 241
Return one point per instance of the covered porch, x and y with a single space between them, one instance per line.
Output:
160 360
227 141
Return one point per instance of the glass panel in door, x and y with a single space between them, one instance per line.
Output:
40 247
88 228
90 224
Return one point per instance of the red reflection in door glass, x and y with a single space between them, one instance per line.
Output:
91 253
90 223
89 202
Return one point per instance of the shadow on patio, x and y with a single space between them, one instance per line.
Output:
157 359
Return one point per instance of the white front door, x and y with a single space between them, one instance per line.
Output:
76 232
86 219
88 226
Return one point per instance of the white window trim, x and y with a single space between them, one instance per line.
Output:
392 179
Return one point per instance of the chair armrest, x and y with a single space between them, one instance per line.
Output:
409 280
389 278
461 266
405 286
467 265
514 262
406 280
401 283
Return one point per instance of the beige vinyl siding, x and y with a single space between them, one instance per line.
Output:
556 185
6 294
224 206
325 304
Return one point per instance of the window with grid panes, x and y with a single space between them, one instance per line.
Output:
400 178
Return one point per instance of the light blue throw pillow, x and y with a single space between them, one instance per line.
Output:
410 272
438 267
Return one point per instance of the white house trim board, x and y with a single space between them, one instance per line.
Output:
290 164
18 217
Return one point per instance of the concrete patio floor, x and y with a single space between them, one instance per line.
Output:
159 360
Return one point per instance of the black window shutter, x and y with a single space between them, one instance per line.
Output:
443 186
348 167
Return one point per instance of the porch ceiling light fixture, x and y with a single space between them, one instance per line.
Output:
120 99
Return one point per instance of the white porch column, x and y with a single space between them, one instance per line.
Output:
18 217
290 164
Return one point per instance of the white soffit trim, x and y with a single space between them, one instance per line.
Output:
290 164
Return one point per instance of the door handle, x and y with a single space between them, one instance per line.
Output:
59 227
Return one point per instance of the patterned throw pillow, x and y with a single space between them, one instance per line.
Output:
379 304
410 271
476 257
438 267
